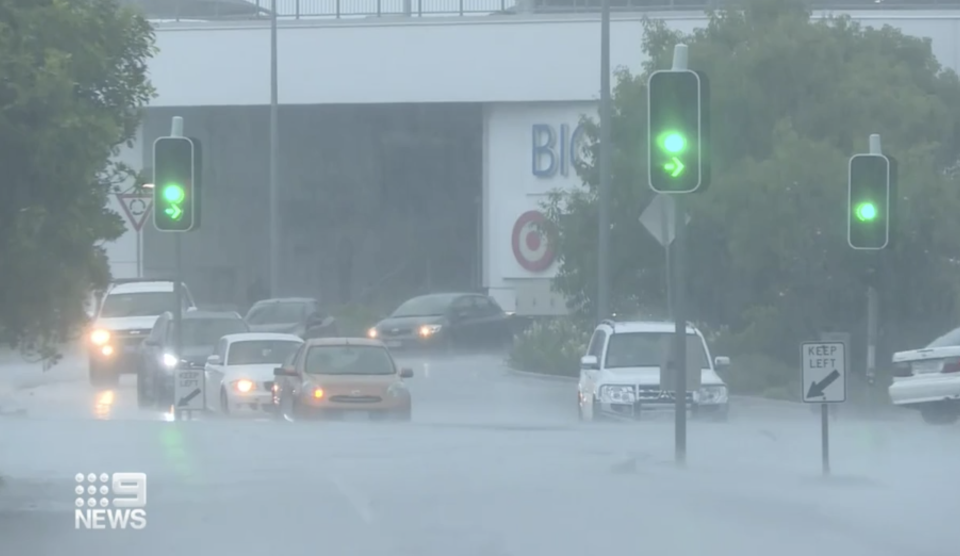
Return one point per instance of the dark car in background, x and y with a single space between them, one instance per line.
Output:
159 360
301 316
446 321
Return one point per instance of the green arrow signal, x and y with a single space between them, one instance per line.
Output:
675 167
174 212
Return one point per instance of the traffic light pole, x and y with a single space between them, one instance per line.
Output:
873 298
679 307
176 130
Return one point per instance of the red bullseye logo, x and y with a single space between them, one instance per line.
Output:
532 248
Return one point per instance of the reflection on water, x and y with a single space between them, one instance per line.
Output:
104 404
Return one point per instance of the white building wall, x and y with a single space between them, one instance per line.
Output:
529 150
498 58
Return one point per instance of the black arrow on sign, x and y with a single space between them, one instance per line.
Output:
816 388
186 399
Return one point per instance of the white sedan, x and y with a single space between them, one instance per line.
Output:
239 375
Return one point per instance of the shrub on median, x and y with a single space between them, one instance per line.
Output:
550 346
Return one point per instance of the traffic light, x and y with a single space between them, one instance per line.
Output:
176 191
871 196
678 131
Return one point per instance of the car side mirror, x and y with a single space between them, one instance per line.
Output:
721 361
589 362
284 371
213 360
406 373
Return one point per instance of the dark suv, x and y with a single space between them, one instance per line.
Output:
159 361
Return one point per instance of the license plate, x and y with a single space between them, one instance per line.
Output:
928 367
130 349
356 416
393 343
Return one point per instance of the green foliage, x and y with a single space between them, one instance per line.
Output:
552 346
74 80
792 100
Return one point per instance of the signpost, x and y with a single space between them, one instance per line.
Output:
188 392
823 372
136 208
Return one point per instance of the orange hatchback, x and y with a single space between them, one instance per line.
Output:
344 379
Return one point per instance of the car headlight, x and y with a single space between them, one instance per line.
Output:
100 337
428 330
372 333
712 395
243 385
397 389
170 361
613 393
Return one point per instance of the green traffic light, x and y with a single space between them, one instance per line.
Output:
866 212
673 142
174 195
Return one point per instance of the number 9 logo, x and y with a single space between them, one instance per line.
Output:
129 490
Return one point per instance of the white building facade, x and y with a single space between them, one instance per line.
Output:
536 75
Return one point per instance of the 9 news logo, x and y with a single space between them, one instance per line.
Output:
96 510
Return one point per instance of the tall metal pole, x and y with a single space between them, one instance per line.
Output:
873 298
274 160
603 256
679 306
176 130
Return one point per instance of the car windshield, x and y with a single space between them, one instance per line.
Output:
207 332
951 338
279 313
260 352
140 304
646 349
349 360
427 305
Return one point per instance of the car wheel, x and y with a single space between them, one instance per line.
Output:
224 402
940 413
404 415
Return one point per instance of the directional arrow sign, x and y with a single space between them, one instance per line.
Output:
823 370
675 167
174 212
185 401
188 389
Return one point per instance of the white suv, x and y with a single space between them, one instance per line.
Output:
124 318
620 374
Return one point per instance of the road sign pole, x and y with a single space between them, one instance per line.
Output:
823 372
139 254
825 438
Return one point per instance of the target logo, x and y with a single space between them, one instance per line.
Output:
533 249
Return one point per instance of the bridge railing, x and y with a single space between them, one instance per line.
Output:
183 10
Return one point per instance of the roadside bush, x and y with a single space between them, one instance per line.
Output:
552 346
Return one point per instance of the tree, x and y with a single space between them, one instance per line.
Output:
73 78
792 99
